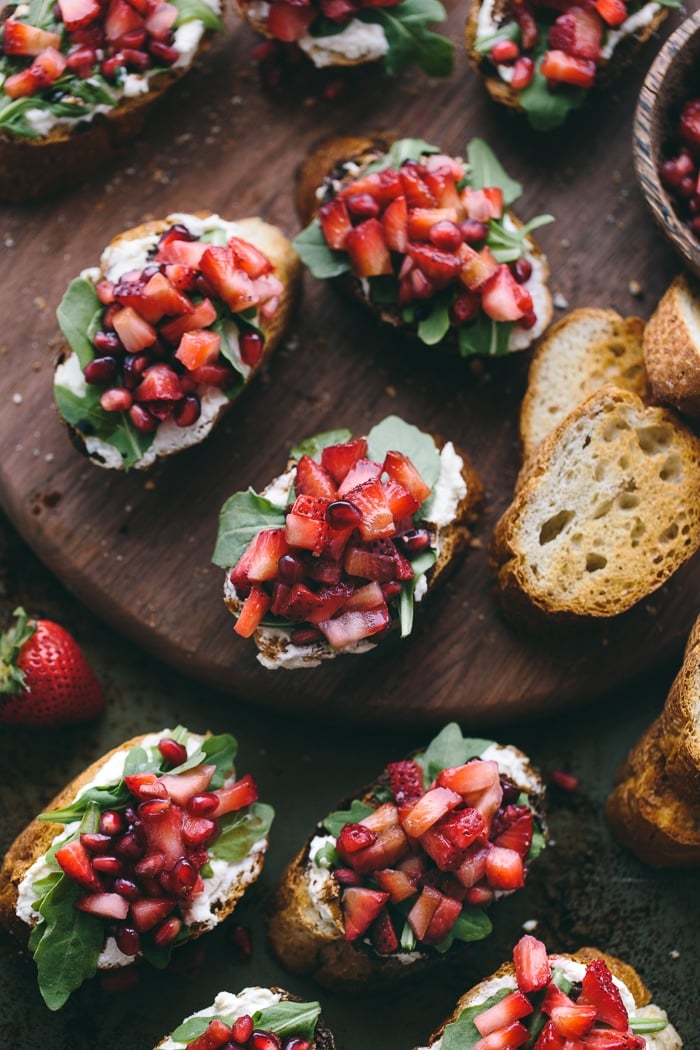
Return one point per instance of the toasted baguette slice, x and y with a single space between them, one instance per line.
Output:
579 354
256 1003
457 494
606 511
654 809
309 914
25 863
672 346
629 995
338 162
486 16
129 251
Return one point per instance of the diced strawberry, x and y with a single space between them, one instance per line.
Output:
363 563
147 912
383 934
160 19
441 183
573 1021
366 246
549 1039
606 1039
477 268
430 808
162 825
198 348
523 73
135 333
220 375
312 479
265 550
578 31
335 223
466 307
182 786
159 383
443 919
352 627
509 1038
364 598
361 470
517 824
504 869
202 316
439 267
74 860
561 68
104 905
402 503
422 220
555 997
361 907
614 12
254 608
532 969
78 13
233 797
180 252
503 299
383 186
51 63
417 194
462 827
19 38
304 532
377 519
398 884
511 1008
480 896
333 599
423 910
401 469
160 298
383 817
446 855
525 18
354 837
405 782
473 867
395 223
288 23
121 18
302 603
25 83
334 544
600 990
339 459
471 778
229 282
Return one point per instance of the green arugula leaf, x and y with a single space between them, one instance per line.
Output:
485 169
410 40
536 1022
286 1018
647 1025
220 751
539 842
408 940
433 328
509 31
398 152
227 330
322 26
314 446
41 14
79 311
189 10
507 245
472 924
311 247
193 1027
394 433
86 415
327 857
675 4
422 564
68 947
336 821
241 518
463 1034
547 109
240 831
484 336
449 748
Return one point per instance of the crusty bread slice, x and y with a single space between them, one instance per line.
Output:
672 346
654 809
579 354
607 509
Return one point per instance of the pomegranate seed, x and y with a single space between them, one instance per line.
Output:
155 809
511 792
184 876
105 291
187 411
142 420
198 831
121 979
204 804
128 940
95 842
504 51
264 1041
128 847
521 270
242 941
565 781
415 541
107 342
151 865
342 514
165 54
133 38
690 123
137 60
198 857
111 66
523 72
177 232
108 316
363 205
695 224
686 187
474 232
251 347
391 589
295 1042
291 568
242 1028
116 399
134 365
167 931
528 320
100 370
446 235
173 753
347 877
82 61
127 888
107 865
669 174
305 635
111 822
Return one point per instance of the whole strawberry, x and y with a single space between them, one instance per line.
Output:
45 680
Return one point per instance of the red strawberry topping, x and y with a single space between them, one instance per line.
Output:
600 990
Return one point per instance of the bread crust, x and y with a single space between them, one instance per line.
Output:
672 349
501 92
530 597
362 150
272 242
654 809
37 837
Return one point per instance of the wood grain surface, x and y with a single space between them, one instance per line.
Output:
136 548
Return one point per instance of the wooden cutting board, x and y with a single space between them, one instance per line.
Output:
136 548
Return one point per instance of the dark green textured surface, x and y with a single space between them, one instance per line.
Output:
585 889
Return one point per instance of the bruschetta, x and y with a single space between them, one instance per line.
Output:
426 241
400 876
543 58
77 79
540 1001
337 550
253 1019
166 333
152 845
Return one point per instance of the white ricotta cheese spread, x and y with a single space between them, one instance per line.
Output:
536 285
230 1007
358 42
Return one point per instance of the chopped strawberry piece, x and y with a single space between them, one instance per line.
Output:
523 73
302 531
384 186
361 470
363 563
614 12
74 860
26 82
159 383
600 990
403 504
405 781
442 850
517 824
462 827
438 266
104 905
302 603
429 808
233 797
395 223
398 884
441 183
529 34
265 551
400 468
606 1039
181 787
509 1009
480 896
78 13
473 867
471 778
162 824
566 69
220 375
484 204
503 299
180 252
339 459
287 23
160 20
148 911
198 348
352 627
367 248
360 908
532 969
443 919
312 479
335 223
352 838
377 519
423 910
333 599
121 18
254 608
202 316
383 934
555 997
383 817
229 282
135 333
371 596
250 259
573 1021
504 869
477 268
19 38
578 31
422 220
159 297
417 194
509 1038
549 1039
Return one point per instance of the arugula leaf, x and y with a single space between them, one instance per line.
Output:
433 328
336 821
463 1034
241 518
538 843
314 446
193 1027
220 751
449 748
509 31
398 152
484 336
189 10
485 169
78 312
472 924
536 1022
40 14
240 831
394 433
287 1018
506 244
311 247
66 945
420 565
322 26
647 1025
547 109
227 330
327 857
86 415
410 41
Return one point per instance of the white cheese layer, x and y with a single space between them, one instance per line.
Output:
536 285
230 1007
358 42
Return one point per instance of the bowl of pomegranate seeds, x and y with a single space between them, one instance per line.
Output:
667 140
